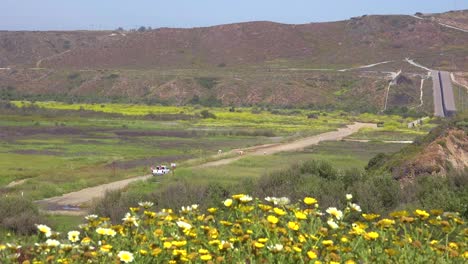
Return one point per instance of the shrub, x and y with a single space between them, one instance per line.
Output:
19 215
377 162
207 114
377 194
73 76
184 193
114 204
207 82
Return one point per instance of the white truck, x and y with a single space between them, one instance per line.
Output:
160 170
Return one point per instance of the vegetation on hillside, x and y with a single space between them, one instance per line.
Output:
452 130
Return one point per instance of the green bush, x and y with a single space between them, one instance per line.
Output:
207 82
19 215
207 114
115 203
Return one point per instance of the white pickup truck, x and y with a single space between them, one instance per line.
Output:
160 170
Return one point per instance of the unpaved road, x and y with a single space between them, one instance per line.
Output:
295 145
73 200
69 203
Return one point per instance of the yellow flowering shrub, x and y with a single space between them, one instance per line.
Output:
244 229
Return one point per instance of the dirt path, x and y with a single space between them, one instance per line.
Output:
295 145
38 63
442 24
70 203
15 183
365 66
394 76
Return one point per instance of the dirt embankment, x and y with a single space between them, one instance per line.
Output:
447 153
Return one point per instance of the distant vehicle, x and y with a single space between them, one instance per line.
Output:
160 170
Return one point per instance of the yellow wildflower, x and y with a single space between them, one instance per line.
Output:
311 254
105 248
370 217
385 222
310 200
86 241
300 215
297 249
453 245
203 251
205 257
371 235
272 219
214 242
279 211
167 244
421 213
293 225
398 214
327 243
259 245
179 252
179 243
301 238
265 207
238 196
227 202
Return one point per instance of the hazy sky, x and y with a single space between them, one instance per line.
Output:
110 14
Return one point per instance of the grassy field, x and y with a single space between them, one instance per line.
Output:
58 148
343 155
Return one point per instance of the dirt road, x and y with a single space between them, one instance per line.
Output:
70 203
295 145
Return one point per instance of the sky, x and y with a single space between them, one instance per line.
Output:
111 14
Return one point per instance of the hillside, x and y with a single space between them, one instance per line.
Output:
443 152
237 64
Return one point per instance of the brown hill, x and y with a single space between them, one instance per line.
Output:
244 63
359 40
447 153
26 48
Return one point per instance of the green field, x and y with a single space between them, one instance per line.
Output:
57 148
343 155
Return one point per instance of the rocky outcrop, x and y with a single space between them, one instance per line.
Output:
448 153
